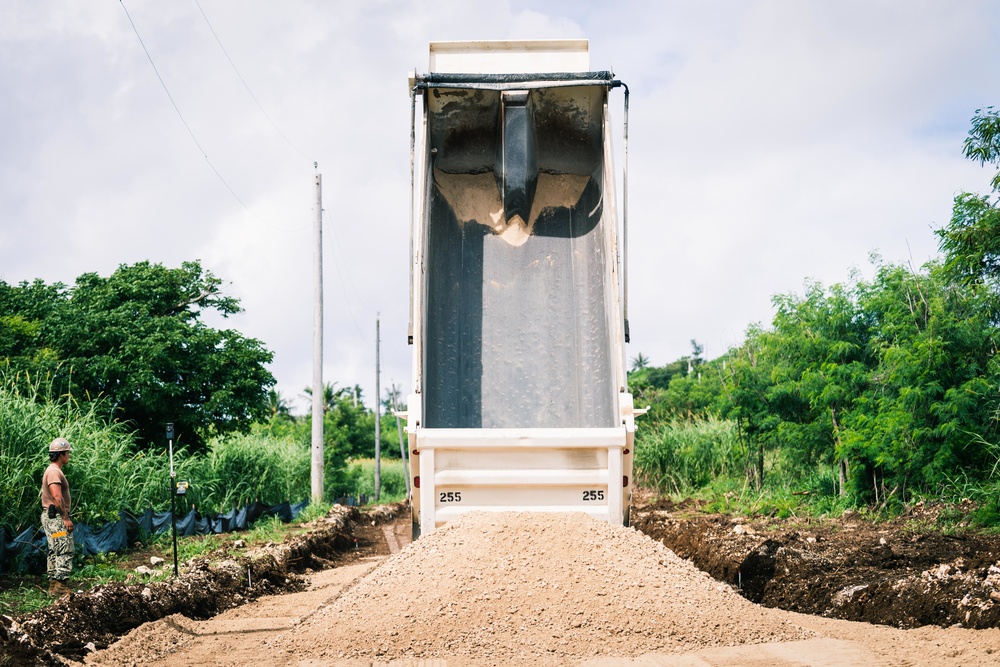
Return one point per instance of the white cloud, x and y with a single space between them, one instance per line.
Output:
769 142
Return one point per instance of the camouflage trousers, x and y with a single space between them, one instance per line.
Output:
60 547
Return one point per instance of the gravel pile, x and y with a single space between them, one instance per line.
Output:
545 588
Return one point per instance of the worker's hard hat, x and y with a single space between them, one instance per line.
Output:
60 445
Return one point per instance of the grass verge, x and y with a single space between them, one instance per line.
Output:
23 594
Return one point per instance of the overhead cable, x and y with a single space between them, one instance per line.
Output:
192 134
177 109
245 85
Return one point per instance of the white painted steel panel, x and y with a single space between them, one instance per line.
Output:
506 438
523 459
427 490
518 477
615 486
460 498
450 513
510 57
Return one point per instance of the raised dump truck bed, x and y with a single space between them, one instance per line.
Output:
520 399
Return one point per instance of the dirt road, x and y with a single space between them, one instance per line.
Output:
515 589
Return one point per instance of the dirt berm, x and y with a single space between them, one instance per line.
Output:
499 589
206 586
891 573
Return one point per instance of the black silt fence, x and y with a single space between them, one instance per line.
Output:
27 551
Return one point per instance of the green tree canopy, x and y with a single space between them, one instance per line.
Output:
983 142
137 340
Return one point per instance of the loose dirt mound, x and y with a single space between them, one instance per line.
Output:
146 643
847 568
541 588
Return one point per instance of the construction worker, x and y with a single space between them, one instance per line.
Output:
55 517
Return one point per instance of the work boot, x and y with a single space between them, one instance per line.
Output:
58 588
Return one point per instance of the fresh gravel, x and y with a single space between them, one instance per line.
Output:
545 588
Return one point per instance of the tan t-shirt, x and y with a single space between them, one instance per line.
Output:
54 475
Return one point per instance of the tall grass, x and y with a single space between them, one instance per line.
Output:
361 480
105 473
108 473
251 467
703 458
23 432
681 456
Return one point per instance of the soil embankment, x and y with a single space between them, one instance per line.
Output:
552 589
80 623
887 573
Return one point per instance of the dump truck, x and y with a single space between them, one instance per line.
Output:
518 316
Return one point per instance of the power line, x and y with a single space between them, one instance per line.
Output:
240 76
343 282
177 109
354 288
191 132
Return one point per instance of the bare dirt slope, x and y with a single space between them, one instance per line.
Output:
239 636
531 589
899 572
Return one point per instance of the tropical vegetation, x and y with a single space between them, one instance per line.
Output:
874 391
138 340
871 392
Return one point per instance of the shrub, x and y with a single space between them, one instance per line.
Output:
682 455
251 467
361 480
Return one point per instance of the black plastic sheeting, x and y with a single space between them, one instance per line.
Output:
27 551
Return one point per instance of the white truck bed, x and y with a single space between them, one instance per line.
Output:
520 399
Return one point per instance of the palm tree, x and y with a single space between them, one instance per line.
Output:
639 362
277 405
330 395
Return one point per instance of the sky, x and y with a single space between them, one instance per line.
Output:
771 143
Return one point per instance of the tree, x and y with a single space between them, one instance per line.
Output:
697 350
747 382
639 362
330 395
931 395
23 309
692 395
137 340
665 390
971 241
983 142
350 425
277 406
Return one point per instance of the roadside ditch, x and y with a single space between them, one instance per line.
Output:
79 623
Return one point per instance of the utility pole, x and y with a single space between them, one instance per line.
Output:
173 491
317 385
378 412
399 433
